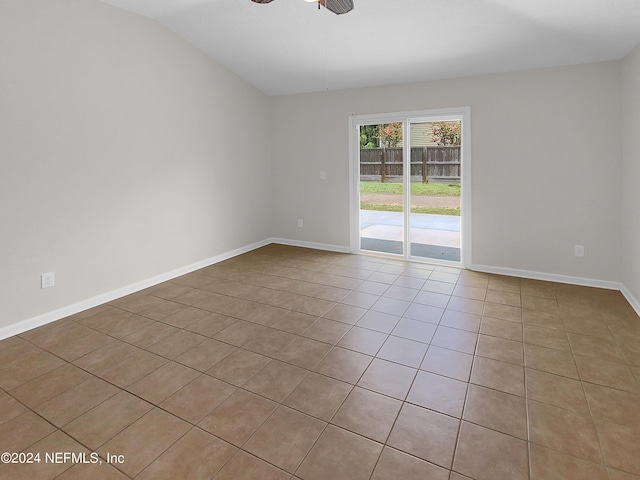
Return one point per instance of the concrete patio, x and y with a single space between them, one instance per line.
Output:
432 236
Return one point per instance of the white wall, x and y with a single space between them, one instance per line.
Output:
546 164
631 173
125 153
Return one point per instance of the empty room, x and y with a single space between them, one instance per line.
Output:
320 239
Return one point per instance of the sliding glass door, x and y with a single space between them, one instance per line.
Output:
381 184
407 185
435 190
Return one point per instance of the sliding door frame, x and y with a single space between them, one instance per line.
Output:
406 118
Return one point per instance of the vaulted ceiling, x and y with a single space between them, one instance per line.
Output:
289 46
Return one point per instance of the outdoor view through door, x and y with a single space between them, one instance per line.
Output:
410 187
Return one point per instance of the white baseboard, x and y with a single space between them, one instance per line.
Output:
549 277
34 322
633 301
552 277
45 318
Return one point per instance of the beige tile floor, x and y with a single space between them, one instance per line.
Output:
293 363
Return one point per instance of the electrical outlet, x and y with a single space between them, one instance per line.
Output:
323 175
300 223
579 250
47 280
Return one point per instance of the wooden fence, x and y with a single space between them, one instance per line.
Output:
437 164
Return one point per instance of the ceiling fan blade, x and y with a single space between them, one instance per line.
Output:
338 6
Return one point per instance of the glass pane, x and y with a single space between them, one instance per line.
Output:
381 188
435 190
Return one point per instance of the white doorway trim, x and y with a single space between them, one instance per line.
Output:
459 113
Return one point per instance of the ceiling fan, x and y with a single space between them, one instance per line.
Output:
336 6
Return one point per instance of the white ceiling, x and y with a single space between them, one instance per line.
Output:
288 46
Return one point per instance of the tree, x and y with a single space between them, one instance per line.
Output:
369 136
390 134
386 135
446 133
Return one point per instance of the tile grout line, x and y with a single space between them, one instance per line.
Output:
352 385
526 397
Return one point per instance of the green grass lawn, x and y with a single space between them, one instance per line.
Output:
439 189
398 208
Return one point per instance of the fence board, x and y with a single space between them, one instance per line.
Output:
428 163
